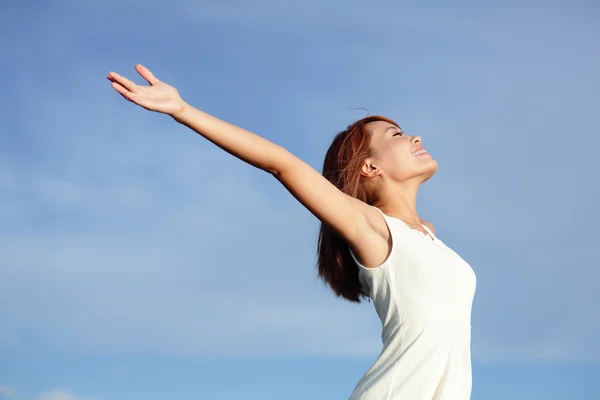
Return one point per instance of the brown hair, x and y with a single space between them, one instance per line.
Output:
343 161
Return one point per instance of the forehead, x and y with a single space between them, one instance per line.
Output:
378 128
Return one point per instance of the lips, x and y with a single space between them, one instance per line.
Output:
420 151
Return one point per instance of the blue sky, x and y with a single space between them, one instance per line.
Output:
139 261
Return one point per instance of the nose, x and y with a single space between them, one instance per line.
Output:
416 139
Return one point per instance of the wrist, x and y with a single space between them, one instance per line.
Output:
181 112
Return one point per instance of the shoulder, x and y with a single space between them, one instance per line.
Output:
428 225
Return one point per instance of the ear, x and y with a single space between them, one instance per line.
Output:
369 169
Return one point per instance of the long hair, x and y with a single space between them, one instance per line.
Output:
343 162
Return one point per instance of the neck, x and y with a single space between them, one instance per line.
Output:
400 201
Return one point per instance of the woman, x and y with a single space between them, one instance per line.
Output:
372 242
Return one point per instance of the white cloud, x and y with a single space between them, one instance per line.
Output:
7 392
58 394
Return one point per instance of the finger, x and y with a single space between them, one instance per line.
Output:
132 97
146 74
126 83
125 93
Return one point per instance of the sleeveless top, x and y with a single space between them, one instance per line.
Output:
423 293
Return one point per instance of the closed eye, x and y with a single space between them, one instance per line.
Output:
395 128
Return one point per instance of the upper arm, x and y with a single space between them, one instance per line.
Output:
359 224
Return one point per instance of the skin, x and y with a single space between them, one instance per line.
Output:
393 173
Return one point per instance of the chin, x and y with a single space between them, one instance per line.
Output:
429 170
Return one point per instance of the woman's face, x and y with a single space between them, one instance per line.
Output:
397 156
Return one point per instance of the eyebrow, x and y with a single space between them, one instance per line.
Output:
395 128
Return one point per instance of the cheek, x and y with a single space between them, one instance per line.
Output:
403 156
398 161
407 164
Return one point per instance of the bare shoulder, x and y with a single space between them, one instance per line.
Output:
429 225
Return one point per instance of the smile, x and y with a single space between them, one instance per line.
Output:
420 152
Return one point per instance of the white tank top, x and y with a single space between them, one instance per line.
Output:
423 293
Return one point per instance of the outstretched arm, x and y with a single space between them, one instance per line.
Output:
352 219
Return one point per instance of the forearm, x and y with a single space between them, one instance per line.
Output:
243 144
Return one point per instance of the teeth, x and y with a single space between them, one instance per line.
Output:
418 153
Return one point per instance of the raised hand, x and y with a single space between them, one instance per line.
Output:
159 96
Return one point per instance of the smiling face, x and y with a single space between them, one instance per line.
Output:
396 156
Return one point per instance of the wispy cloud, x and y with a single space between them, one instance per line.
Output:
59 394
7 338
7 392
109 242
122 231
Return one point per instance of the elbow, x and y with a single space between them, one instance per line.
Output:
281 163
275 172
